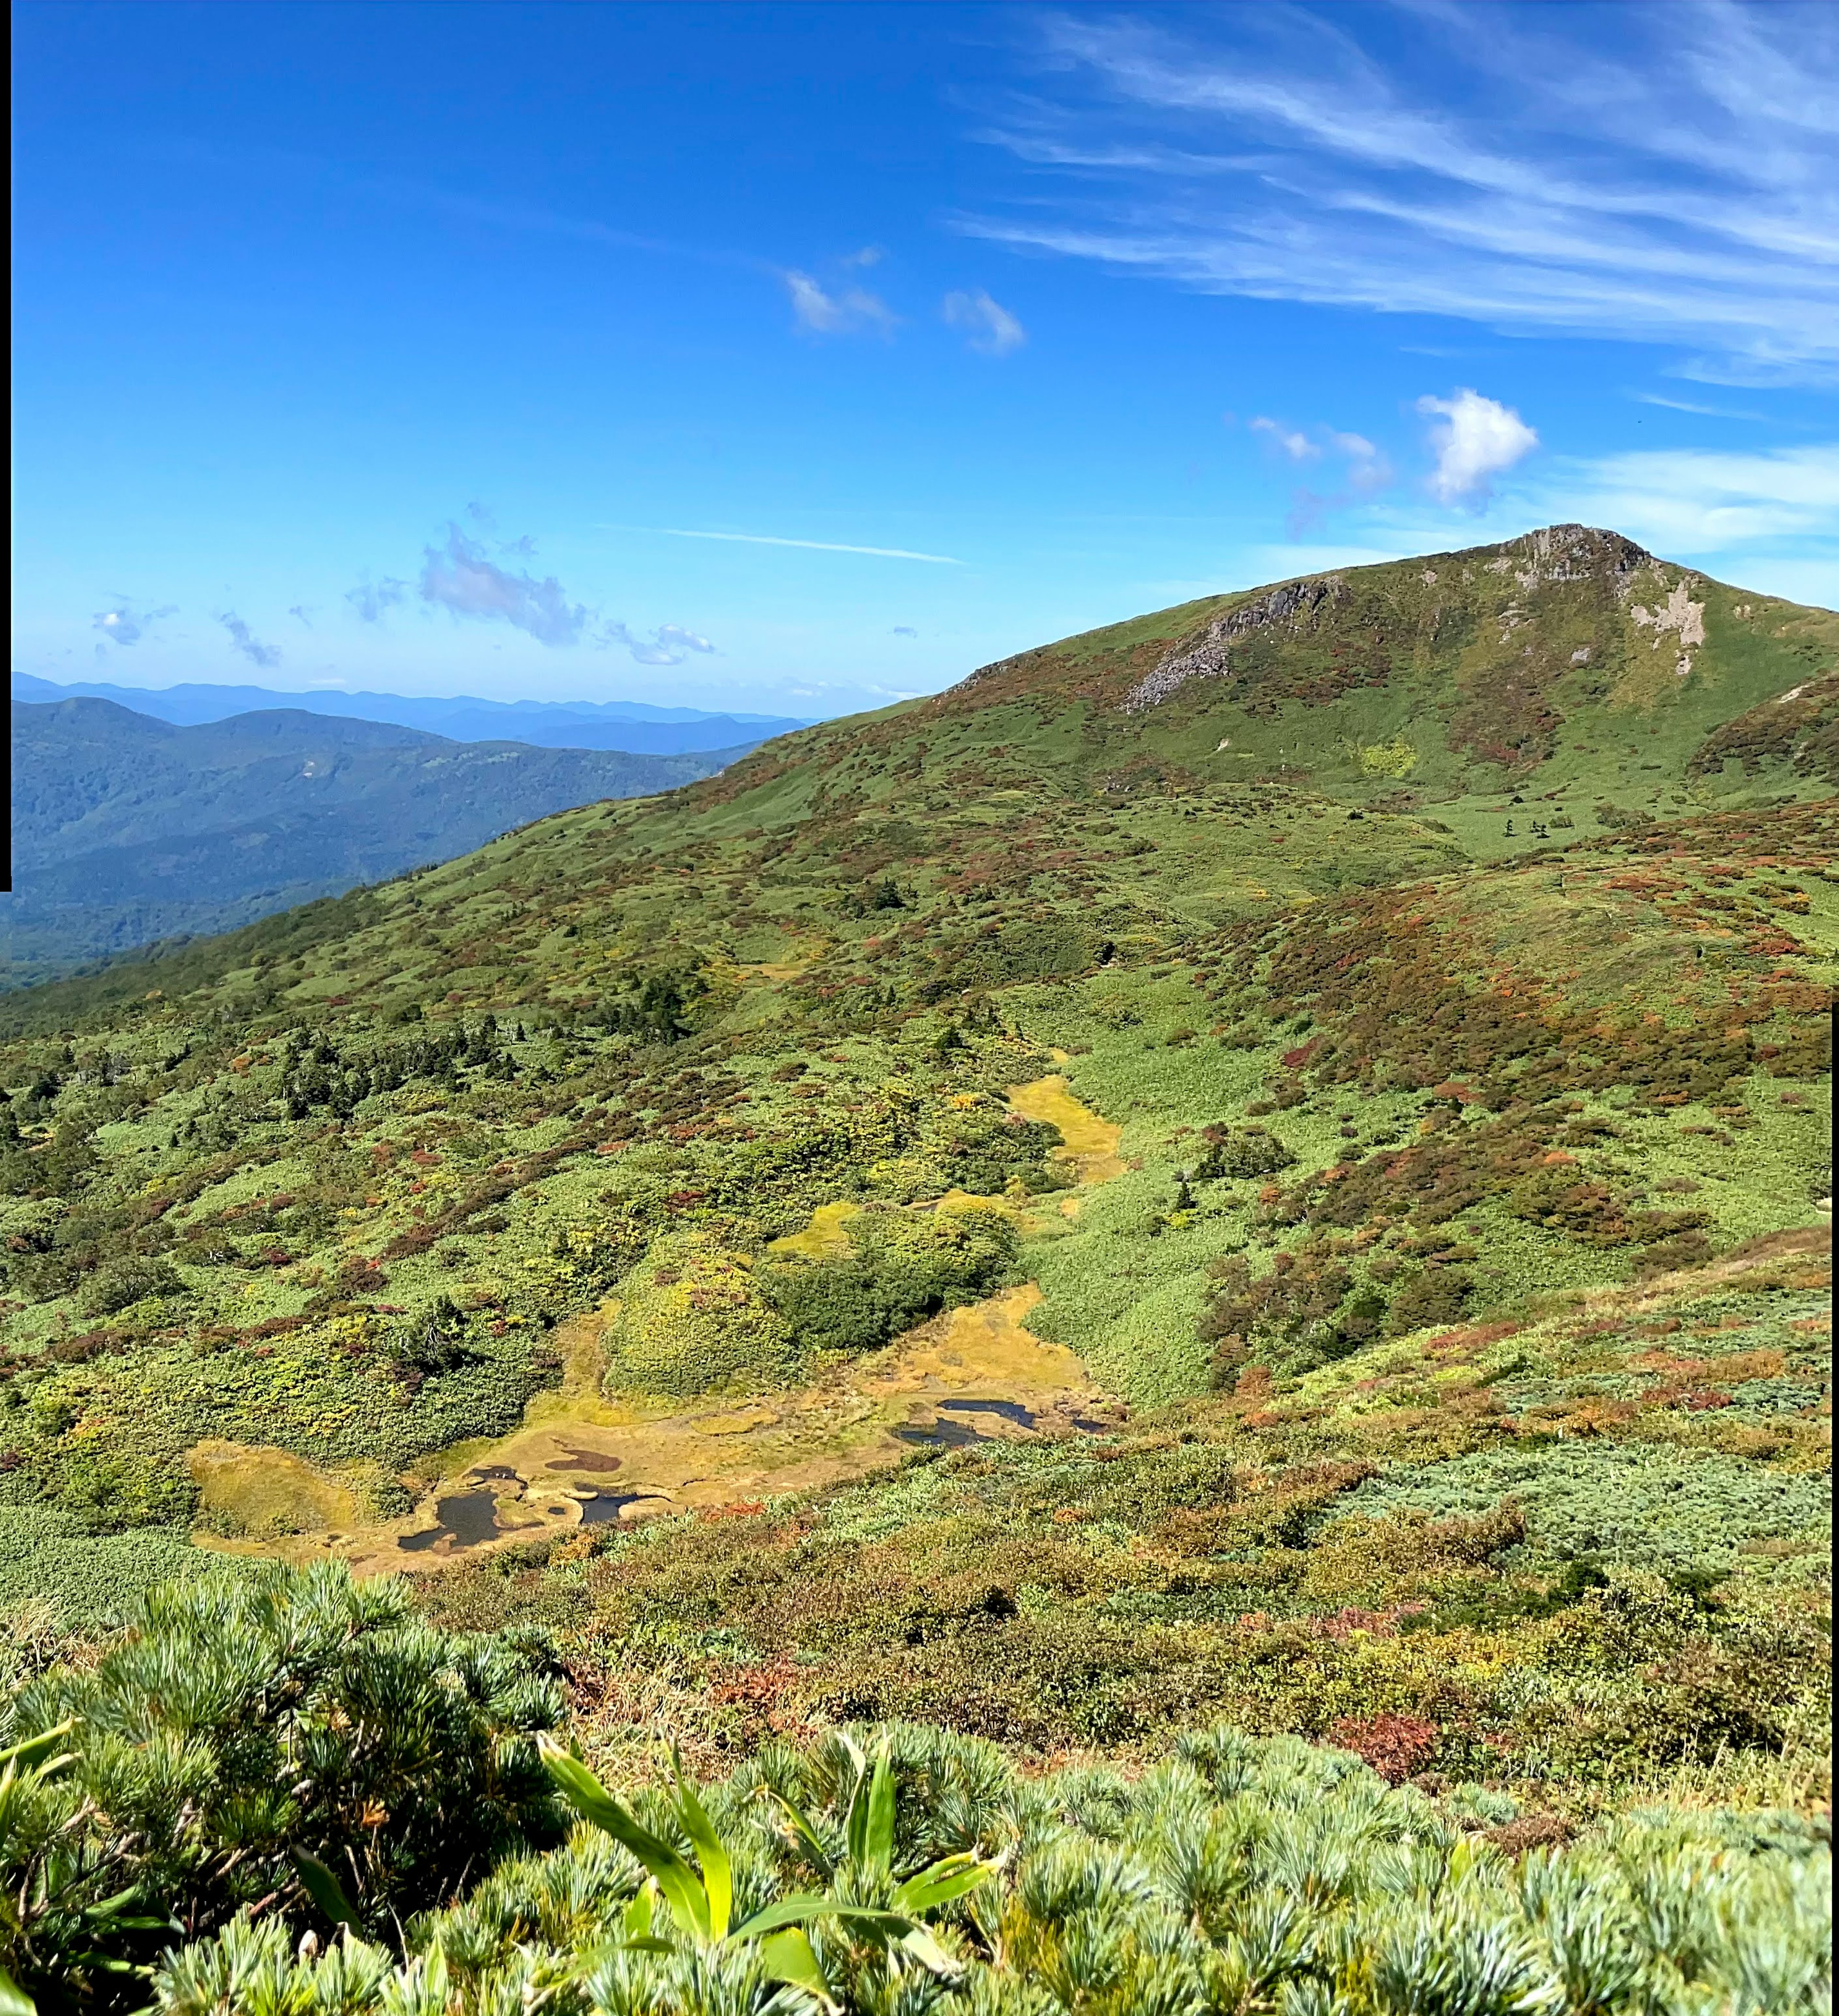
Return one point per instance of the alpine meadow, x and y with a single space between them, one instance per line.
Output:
1147 1337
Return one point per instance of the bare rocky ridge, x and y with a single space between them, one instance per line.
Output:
1293 603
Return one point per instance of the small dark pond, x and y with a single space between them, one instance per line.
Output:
468 1520
605 1506
1008 1410
580 1458
939 1435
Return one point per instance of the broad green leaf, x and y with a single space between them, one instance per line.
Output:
324 1889
718 1872
804 1910
787 1956
952 1877
677 1882
637 1923
14 2001
34 1749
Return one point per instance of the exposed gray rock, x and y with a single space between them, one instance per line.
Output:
1293 603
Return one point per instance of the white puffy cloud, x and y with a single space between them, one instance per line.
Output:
1475 440
989 326
125 625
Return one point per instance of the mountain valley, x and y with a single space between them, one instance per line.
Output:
1266 1166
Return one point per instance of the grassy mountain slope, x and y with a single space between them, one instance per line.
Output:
127 830
1448 1293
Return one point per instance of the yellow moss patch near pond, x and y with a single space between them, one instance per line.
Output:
973 1374
583 1456
260 1494
1091 1141
824 1237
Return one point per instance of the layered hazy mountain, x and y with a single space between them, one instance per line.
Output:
127 830
632 726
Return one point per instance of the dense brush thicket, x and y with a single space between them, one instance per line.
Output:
314 1804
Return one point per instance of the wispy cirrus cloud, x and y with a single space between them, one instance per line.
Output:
809 545
987 324
1695 501
1767 520
245 640
1668 174
837 312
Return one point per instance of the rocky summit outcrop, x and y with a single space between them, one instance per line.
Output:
1294 604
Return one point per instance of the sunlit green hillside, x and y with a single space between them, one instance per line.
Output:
1267 1166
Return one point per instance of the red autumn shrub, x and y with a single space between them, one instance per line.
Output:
1396 1746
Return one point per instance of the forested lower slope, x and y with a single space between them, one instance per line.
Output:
127 830
1265 1167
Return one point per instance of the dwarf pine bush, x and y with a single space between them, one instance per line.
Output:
1243 1875
240 1725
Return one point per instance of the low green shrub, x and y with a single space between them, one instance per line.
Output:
246 1728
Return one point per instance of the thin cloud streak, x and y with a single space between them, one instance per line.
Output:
810 545
1681 191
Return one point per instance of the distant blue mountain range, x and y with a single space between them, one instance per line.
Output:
627 725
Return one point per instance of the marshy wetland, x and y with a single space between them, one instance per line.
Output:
584 1457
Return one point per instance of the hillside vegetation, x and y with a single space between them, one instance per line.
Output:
1220 1230
127 830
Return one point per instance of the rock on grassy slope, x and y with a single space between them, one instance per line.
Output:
1450 941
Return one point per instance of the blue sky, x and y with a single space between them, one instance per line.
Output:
802 357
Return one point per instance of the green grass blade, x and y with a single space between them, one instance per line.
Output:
951 1877
878 1834
805 1910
